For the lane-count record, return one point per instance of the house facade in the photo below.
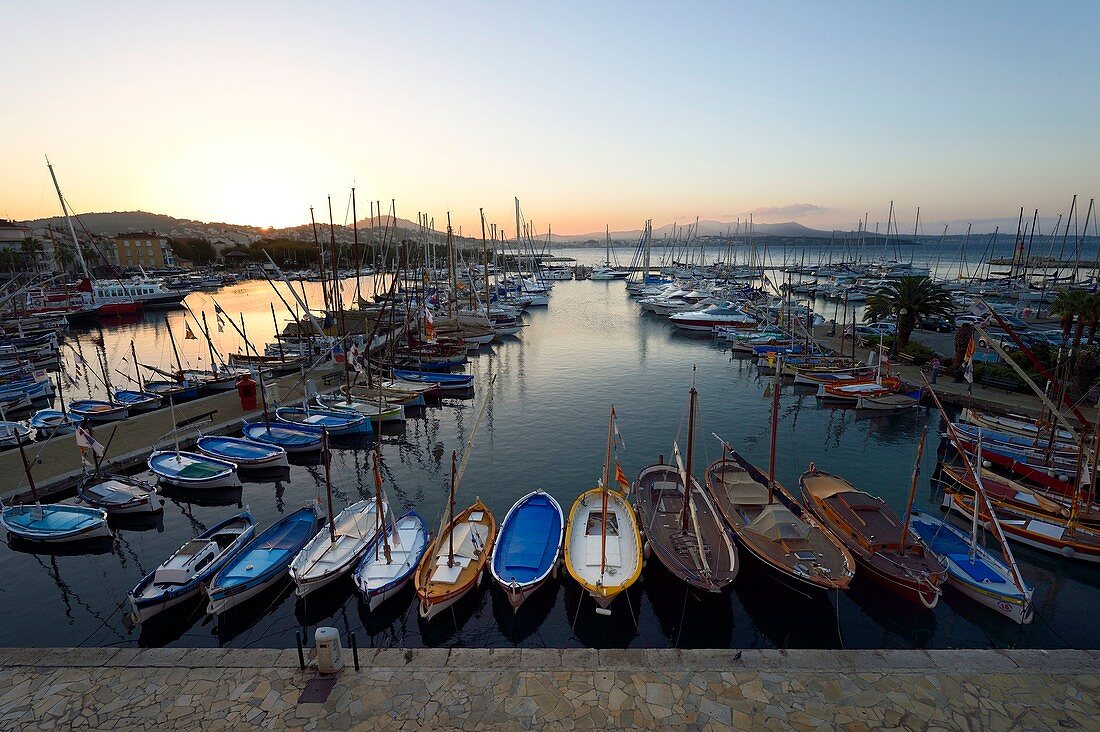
(149, 251)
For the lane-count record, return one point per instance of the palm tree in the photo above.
(1091, 313)
(1069, 306)
(909, 298)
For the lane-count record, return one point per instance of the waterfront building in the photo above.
(143, 250)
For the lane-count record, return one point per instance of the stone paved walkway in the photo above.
(216, 689)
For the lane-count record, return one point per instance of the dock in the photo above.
(56, 464)
(537, 688)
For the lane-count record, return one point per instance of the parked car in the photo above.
(936, 325)
(970, 320)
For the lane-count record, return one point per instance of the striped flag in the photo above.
(615, 426)
(620, 477)
(968, 362)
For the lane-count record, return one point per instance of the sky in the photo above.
(593, 114)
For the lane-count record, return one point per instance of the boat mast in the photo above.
(209, 343)
(26, 467)
(275, 322)
(175, 351)
(485, 249)
(451, 512)
(380, 512)
(69, 221)
(775, 429)
(326, 456)
(693, 396)
(137, 371)
(603, 492)
(356, 254)
(913, 493)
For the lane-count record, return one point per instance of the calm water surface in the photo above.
(545, 428)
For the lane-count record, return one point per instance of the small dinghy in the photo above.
(446, 382)
(263, 561)
(385, 412)
(192, 470)
(334, 552)
(182, 575)
(338, 423)
(53, 422)
(528, 546)
(245, 454)
(177, 391)
(12, 433)
(98, 411)
(119, 494)
(55, 523)
(287, 435)
(391, 558)
(138, 401)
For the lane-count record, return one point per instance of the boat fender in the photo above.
(1067, 551)
(646, 550)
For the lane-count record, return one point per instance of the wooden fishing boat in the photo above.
(972, 569)
(1039, 531)
(815, 375)
(887, 403)
(293, 438)
(278, 365)
(679, 522)
(453, 563)
(873, 532)
(528, 547)
(1064, 451)
(851, 392)
(119, 494)
(375, 412)
(97, 411)
(391, 558)
(138, 401)
(1060, 467)
(177, 391)
(263, 562)
(774, 528)
(244, 453)
(13, 433)
(333, 553)
(1011, 493)
(53, 422)
(407, 398)
(192, 470)
(54, 523)
(337, 423)
(603, 546)
(446, 382)
(1014, 424)
(181, 576)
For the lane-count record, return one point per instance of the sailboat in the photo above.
(453, 564)
(603, 546)
(139, 400)
(331, 554)
(393, 554)
(771, 524)
(191, 469)
(607, 272)
(680, 523)
(54, 422)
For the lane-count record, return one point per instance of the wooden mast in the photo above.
(137, 371)
(775, 429)
(326, 456)
(451, 512)
(693, 396)
(485, 249)
(603, 493)
(209, 343)
(175, 351)
(913, 493)
(355, 250)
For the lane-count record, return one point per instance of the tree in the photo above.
(909, 298)
(1068, 306)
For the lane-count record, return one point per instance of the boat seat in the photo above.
(742, 489)
(593, 551)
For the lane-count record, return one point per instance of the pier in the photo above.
(535, 688)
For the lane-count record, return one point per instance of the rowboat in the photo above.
(1066, 451)
(262, 562)
(851, 392)
(887, 402)
(182, 575)
(452, 565)
(54, 522)
(119, 494)
(774, 527)
(52, 422)
(177, 391)
(391, 558)
(1014, 424)
(97, 411)
(385, 412)
(407, 398)
(138, 401)
(277, 365)
(972, 569)
(245, 454)
(603, 546)
(446, 382)
(13, 433)
(338, 423)
(293, 438)
(873, 534)
(528, 546)
(193, 470)
(333, 553)
(1006, 491)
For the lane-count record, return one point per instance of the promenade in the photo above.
(216, 689)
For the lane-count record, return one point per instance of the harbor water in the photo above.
(552, 388)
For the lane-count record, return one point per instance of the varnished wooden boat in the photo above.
(453, 564)
(1008, 492)
(872, 532)
(777, 531)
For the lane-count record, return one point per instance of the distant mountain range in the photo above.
(707, 228)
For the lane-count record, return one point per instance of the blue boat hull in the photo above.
(243, 452)
(291, 437)
(528, 546)
(337, 423)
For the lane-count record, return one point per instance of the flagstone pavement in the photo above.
(215, 689)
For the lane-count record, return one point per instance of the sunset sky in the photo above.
(591, 113)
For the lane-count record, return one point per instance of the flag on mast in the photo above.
(188, 334)
(88, 444)
(621, 478)
(615, 426)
